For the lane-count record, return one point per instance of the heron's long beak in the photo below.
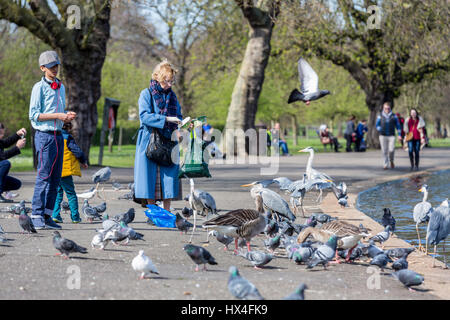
(328, 180)
(303, 150)
(247, 185)
(420, 190)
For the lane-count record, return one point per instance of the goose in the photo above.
(422, 212)
(240, 223)
(309, 84)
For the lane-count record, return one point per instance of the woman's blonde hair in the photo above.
(164, 71)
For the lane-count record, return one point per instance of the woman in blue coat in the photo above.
(154, 182)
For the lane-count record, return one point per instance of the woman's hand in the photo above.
(173, 120)
(22, 132)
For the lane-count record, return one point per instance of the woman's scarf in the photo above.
(167, 107)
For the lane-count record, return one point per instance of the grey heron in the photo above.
(271, 200)
(240, 223)
(422, 212)
(439, 228)
(200, 201)
(309, 89)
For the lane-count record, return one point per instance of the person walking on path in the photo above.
(154, 182)
(73, 157)
(47, 115)
(8, 183)
(414, 136)
(386, 124)
(350, 134)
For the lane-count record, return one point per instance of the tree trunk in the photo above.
(437, 127)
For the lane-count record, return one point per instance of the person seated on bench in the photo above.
(8, 183)
(326, 137)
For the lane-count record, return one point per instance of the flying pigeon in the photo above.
(241, 288)
(126, 217)
(298, 294)
(199, 255)
(257, 258)
(182, 224)
(26, 223)
(224, 239)
(66, 246)
(388, 219)
(143, 264)
(324, 253)
(409, 278)
(309, 90)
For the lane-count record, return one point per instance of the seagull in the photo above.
(309, 89)
(422, 212)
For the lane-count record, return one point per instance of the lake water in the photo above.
(401, 196)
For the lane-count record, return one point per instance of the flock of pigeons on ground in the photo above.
(318, 239)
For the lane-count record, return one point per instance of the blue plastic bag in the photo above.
(160, 217)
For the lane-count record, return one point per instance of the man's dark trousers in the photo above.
(48, 172)
(7, 183)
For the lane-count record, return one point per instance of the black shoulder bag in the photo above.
(159, 148)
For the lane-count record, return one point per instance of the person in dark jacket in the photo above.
(8, 183)
(386, 124)
(350, 134)
(360, 144)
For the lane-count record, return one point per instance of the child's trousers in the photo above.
(66, 185)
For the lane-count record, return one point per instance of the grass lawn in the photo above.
(125, 157)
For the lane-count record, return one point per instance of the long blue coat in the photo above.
(144, 169)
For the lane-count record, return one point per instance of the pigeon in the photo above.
(273, 243)
(388, 219)
(99, 240)
(408, 277)
(16, 208)
(224, 239)
(309, 90)
(401, 263)
(271, 228)
(382, 236)
(116, 186)
(380, 260)
(89, 212)
(302, 254)
(199, 255)
(182, 224)
(108, 224)
(257, 258)
(399, 252)
(65, 206)
(127, 196)
(88, 194)
(356, 253)
(100, 208)
(298, 294)
(131, 185)
(116, 234)
(287, 228)
(130, 232)
(324, 253)
(187, 212)
(322, 217)
(126, 217)
(143, 264)
(26, 223)
(102, 175)
(371, 250)
(66, 246)
(286, 241)
(240, 287)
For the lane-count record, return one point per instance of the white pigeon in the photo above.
(99, 241)
(88, 194)
(142, 263)
(309, 89)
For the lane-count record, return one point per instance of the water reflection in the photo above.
(401, 196)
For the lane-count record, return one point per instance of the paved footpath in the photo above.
(30, 270)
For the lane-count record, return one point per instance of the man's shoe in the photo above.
(58, 220)
(3, 200)
(38, 222)
(392, 165)
(50, 224)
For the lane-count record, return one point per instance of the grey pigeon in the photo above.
(287, 228)
(222, 238)
(291, 248)
(273, 243)
(388, 219)
(116, 186)
(108, 224)
(65, 206)
(322, 217)
(241, 288)
(199, 255)
(271, 228)
(257, 258)
(26, 223)
(382, 236)
(408, 277)
(399, 252)
(126, 196)
(309, 89)
(126, 217)
(89, 212)
(356, 253)
(130, 232)
(131, 185)
(286, 241)
(302, 254)
(187, 212)
(380, 260)
(100, 208)
(102, 175)
(182, 224)
(116, 234)
(298, 294)
(371, 250)
(324, 253)
(66, 246)
(401, 263)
